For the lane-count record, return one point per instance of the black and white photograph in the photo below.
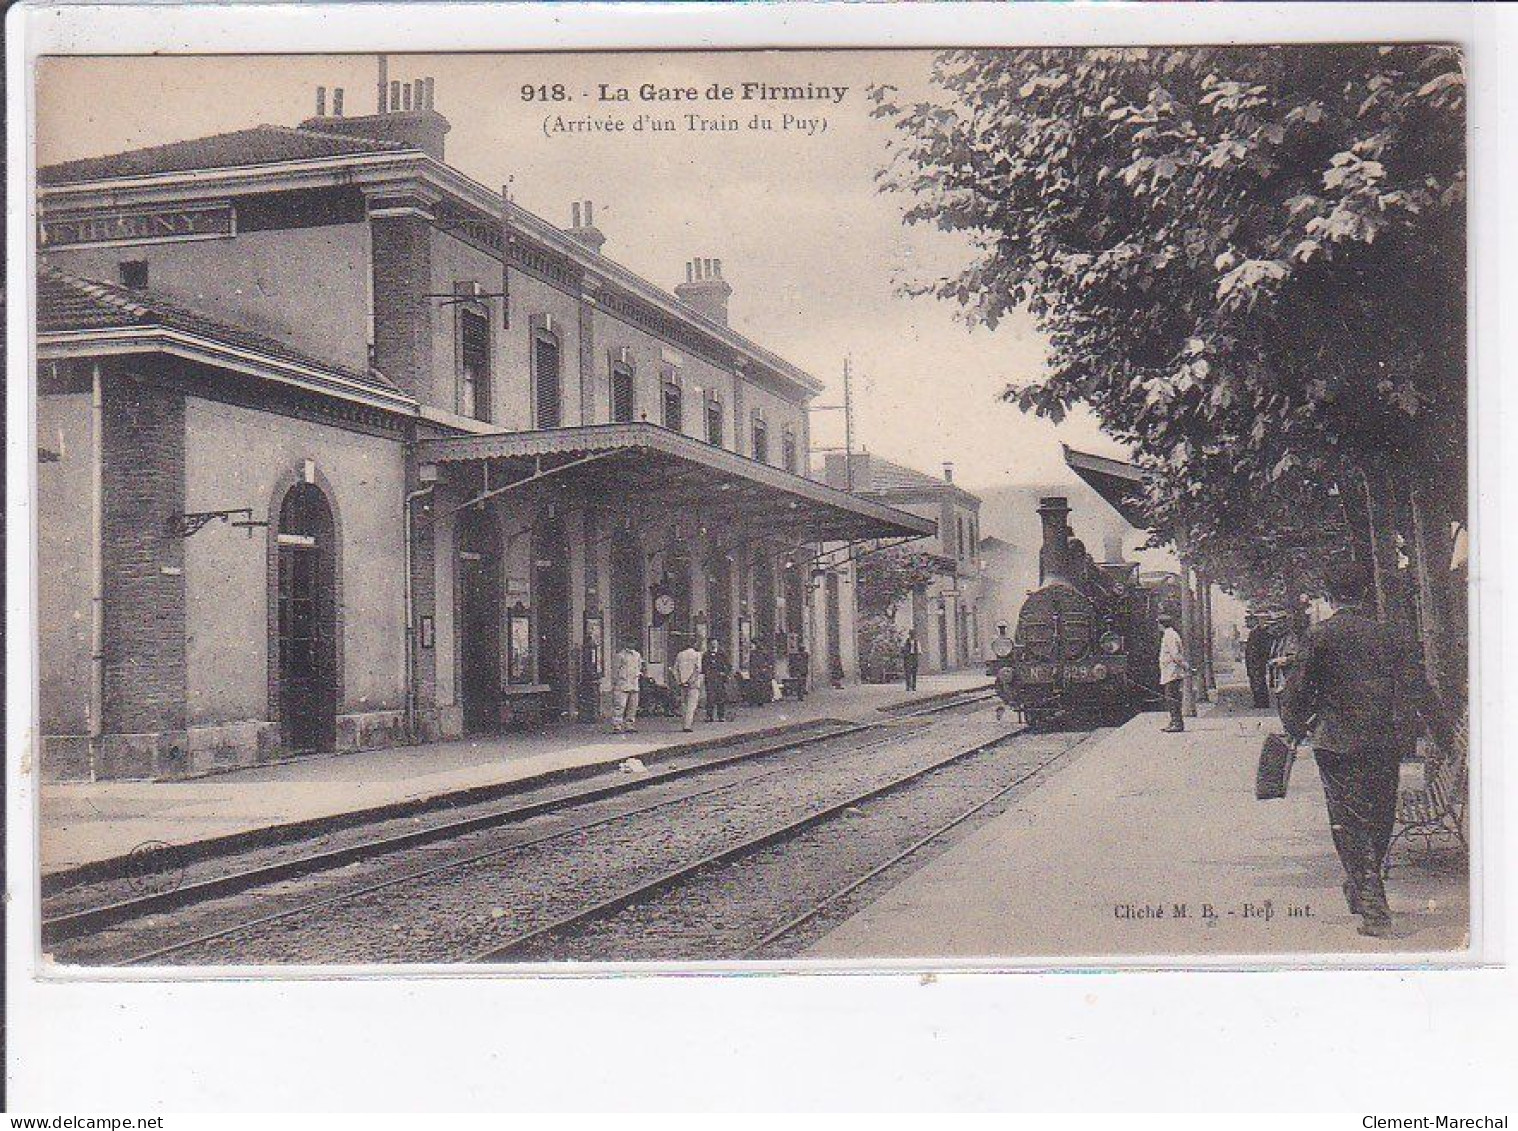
(762, 505)
(566, 518)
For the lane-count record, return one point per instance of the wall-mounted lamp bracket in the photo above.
(193, 522)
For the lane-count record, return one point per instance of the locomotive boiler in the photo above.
(1087, 639)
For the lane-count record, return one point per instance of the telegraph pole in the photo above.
(847, 408)
(848, 422)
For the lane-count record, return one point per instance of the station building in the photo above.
(947, 614)
(339, 448)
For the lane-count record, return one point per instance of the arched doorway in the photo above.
(479, 618)
(306, 621)
(551, 606)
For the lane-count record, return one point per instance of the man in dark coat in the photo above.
(1257, 658)
(1355, 689)
(801, 670)
(911, 653)
(715, 672)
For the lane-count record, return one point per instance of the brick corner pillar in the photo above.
(143, 678)
(427, 723)
(589, 410)
(740, 433)
(400, 230)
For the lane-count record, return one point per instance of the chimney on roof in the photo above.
(1112, 546)
(847, 472)
(406, 114)
(948, 472)
(582, 226)
(705, 290)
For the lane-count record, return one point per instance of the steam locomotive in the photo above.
(1087, 639)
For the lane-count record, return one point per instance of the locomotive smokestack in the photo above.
(1054, 554)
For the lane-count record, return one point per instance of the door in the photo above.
(834, 613)
(795, 603)
(764, 601)
(719, 597)
(550, 599)
(479, 614)
(307, 622)
(627, 613)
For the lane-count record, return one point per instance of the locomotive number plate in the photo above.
(1036, 673)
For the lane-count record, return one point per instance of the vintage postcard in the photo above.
(1002, 506)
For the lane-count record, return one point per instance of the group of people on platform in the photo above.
(702, 672)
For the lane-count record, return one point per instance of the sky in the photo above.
(814, 252)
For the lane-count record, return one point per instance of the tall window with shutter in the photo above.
(474, 364)
(761, 450)
(713, 420)
(546, 379)
(674, 407)
(622, 400)
(788, 453)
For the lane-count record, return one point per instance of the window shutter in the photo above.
(546, 371)
(621, 394)
(673, 409)
(474, 359)
(714, 421)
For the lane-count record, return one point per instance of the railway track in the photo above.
(714, 907)
(76, 922)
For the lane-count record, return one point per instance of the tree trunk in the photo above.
(1443, 648)
(1392, 599)
(1209, 673)
(1188, 636)
(1197, 646)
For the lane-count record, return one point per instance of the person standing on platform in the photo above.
(688, 684)
(911, 653)
(801, 671)
(1173, 668)
(626, 674)
(715, 671)
(1357, 691)
(1257, 658)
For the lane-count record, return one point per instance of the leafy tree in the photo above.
(1249, 262)
(883, 580)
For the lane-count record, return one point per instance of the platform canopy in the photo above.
(642, 467)
(1117, 481)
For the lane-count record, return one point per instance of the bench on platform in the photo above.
(1436, 810)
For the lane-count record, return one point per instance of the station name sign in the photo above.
(157, 225)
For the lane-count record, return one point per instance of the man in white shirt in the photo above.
(626, 674)
(1173, 668)
(688, 683)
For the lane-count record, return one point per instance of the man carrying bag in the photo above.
(1354, 679)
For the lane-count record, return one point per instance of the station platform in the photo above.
(86, 823)
(1096, 862)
